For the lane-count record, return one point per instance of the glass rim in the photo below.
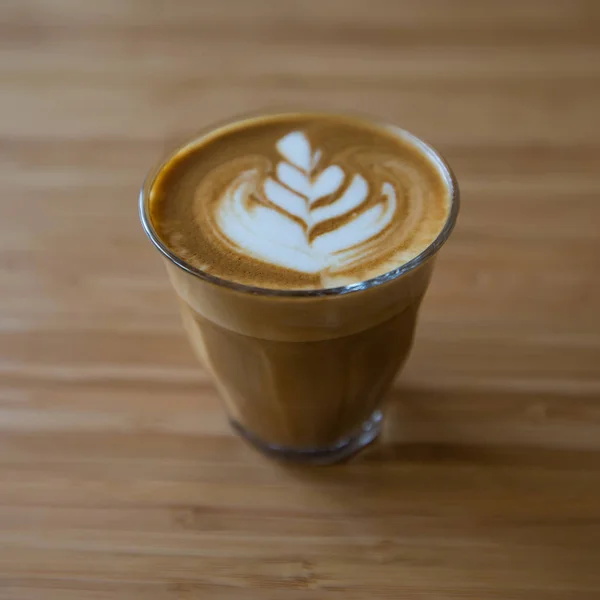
(439, 161)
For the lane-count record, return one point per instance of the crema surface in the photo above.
(300, 201)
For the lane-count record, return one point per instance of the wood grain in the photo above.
(119, 478)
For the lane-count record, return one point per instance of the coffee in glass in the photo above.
(300, 246)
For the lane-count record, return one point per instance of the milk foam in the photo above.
(275, 219)
(301, 201)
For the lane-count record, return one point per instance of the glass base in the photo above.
(342, 450)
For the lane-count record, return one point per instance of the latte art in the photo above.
(307, 215)
(300, 201)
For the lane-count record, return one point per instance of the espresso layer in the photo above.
(300, 201)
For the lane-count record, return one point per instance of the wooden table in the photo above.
(119, 477)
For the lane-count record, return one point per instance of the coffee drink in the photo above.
(300, 202)
(300, 246)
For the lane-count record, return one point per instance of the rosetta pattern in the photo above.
(305, 215)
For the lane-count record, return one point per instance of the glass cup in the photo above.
(303, 373)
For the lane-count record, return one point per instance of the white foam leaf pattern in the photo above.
(295, 147)
(273, 220)
(327, 183)
(353, 197)
(360, 229)
(299, 178)
(290, 202)
(262, 232)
